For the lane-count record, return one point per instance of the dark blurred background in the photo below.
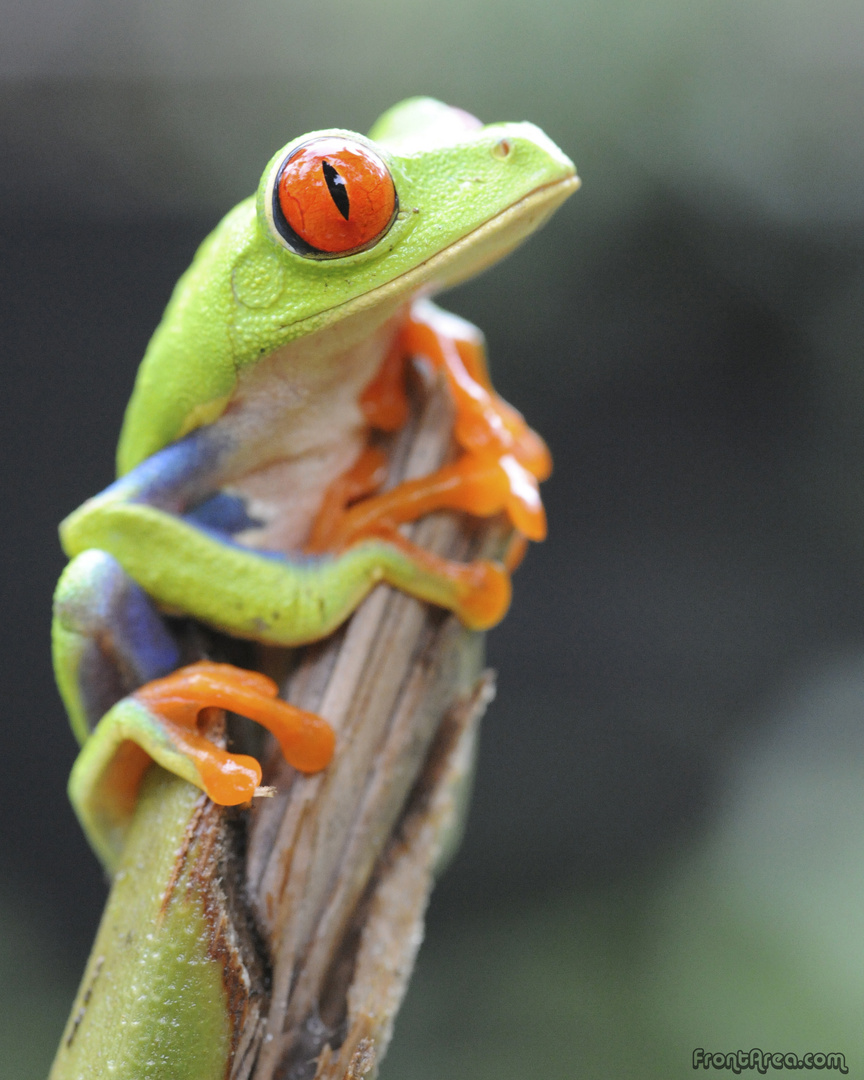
(666, 848)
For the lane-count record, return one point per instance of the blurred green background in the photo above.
(666, 849)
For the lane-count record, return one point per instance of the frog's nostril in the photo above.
(502, 149)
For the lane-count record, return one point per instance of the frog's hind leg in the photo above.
(108, 638)
(168, 721)
(116, 664)
(477, 592)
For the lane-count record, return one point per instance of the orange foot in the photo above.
(478, 484)
(503, 458)
(181, 704)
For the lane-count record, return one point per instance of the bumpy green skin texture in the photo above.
(153, 1003)
(245, 294)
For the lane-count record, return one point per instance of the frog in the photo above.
(251, 489)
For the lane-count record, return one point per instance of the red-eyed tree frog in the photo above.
(250, 498)
(247, 495)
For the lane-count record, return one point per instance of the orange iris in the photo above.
(337, 196)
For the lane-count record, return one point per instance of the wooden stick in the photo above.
(340, 865)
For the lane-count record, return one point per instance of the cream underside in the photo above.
(297, 417)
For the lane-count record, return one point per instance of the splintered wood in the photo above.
(340, 865)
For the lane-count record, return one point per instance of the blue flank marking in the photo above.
(173, 477)
(222, 513)
(294, 559)
(140, 635)
(185, 473)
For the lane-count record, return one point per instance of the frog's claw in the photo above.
(167, 721)
(364, 477)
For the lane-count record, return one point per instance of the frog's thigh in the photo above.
(104, 782)
(477, 592)
(108, 638)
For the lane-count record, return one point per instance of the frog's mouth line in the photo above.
(468, 255)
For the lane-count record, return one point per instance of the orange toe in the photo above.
(182, 700)
(487, 595)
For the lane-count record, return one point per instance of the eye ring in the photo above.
(333, 197)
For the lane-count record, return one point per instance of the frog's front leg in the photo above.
(498, 471)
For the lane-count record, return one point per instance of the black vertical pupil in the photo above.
(337, 189)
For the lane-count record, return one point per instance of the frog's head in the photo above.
(428, 199)
(342, 224)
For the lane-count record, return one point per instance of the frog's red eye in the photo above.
(333, 197)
